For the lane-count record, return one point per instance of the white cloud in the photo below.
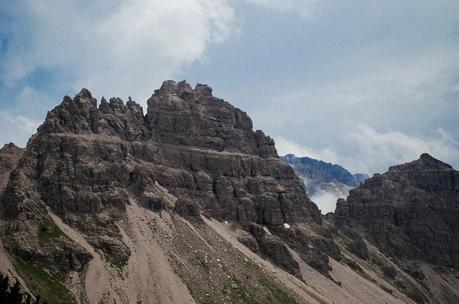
(326, 200)
(394, 147)
(16, 128)
(285, 146)
(114, 47)
(19, 121)
(374, 117)
(302, 7)
(375, 151)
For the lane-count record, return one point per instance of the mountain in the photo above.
(186, 203)
(324, 182)
(109, 192)
(411, 214)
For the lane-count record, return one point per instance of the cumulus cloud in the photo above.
(113, 47)
(302, 7)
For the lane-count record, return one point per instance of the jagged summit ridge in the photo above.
(425, 162)
(176, 114)
(190, 154)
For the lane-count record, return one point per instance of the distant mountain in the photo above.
(324, 182)
(360, 178)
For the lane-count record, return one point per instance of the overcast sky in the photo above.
(365, 84)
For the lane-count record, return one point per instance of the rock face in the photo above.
(9, 156)
(191, 152)
(185, 203)
(410, 212)
(212, 155)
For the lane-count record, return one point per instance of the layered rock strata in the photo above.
(411, 211)
(191, 152)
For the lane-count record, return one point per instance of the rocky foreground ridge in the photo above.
(187, 204)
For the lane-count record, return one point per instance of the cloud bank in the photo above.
(375, 151)
(111, 47)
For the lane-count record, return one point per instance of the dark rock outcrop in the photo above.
(410, 212)
(272, 247)
(191, 152)
(9, 156)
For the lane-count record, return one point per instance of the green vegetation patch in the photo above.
(411, 291)
(278, 293)
(389, 271)
(40, 282)
(202, 262)
(119, 265)
(237, 292)
(48, 231)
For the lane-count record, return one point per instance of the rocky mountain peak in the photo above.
(192, 154)
(84, 94)
(9, 147)
(410, 211)
(429, 161)
(425, 162)
(178, 114)
(182, 88)
(203, 89)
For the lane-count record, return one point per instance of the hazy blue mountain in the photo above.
(324, 182)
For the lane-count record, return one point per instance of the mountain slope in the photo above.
(185, 204)
(192, 153)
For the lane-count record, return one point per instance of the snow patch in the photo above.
(266, 230)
